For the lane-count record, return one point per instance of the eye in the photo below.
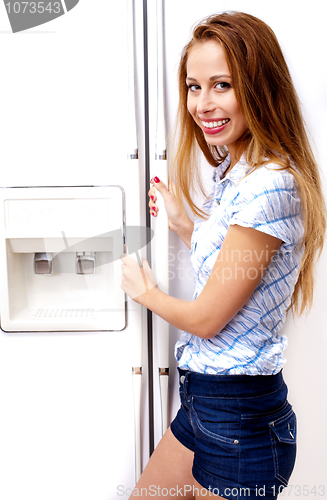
(193, 87)
(222, 85)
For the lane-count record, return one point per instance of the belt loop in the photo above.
(186, 386)
(183, 379)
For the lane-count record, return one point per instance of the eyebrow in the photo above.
(215, 77)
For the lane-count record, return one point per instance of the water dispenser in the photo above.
(59, 259)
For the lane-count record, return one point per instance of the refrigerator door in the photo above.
(67, 410)
(160, 243)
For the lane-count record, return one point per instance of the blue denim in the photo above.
(242, 431)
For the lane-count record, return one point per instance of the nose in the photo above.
(205, 103)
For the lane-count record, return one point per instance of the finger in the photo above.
(127, 259)
(152, 204)
(145, 268)
(152, 193)
(145, 264)
(154, 213)
(160, 186)
(145, 281)
(152, 201)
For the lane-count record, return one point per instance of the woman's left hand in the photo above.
(136, 279)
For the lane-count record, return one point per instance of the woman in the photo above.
(253, 248)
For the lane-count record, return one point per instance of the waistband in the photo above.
(229, 386)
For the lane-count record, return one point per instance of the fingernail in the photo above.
(152, 214)
(154, 208)
(152, 197)
(156, 179)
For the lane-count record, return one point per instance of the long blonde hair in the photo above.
(275, 126)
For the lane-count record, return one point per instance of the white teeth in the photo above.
(215, 124)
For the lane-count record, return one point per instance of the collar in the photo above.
(240, 170)
(221, 169)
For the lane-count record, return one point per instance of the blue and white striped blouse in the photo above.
(267, 200)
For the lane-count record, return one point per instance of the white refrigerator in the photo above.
(86, 119)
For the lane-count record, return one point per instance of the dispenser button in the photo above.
(85, 263)
(43, 263)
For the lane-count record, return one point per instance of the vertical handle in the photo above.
(162, 231)
(132, 153)
(135, 324)
(134, 218)
(161, 145)
(137, 392)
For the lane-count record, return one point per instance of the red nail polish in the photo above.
(152, 214)
(152, 197)
(154, 208)
(156, 179)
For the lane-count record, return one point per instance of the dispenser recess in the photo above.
(59, 259)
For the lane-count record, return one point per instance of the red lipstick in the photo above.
(214, 130)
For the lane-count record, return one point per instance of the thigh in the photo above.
(168, 472)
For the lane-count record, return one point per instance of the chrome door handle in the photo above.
(161, 144)
(132, 151)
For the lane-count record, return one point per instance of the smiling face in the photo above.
(211, 98)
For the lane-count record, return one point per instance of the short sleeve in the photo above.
(270, 202)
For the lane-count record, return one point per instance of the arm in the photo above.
(177, 218)
(243, 258)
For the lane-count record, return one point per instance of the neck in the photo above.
(235, 151)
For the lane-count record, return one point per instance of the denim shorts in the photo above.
(242, 431)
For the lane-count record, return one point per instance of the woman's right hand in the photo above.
(177, 218)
